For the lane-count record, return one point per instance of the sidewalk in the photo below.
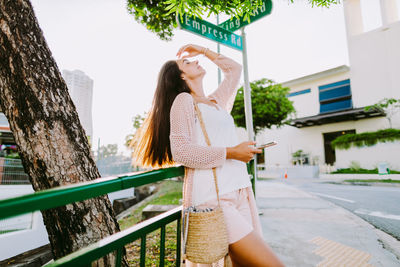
(305, 230)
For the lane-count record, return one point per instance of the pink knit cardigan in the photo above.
(184, 147)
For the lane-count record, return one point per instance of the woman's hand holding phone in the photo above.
(266, 145)
(243, 152)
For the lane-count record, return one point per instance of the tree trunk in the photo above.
(45, 124)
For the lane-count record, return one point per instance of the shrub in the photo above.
(366, 139)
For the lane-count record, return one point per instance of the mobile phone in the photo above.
(266, 145)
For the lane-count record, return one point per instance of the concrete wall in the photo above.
(370, 157)
(375, 64)
(304, 171)
(309, 139)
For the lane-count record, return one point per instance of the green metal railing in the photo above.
(116, 242)
(60, 196)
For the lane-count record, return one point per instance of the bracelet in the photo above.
(205, 51)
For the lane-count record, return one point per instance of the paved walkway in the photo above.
(305, 230)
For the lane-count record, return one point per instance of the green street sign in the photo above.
(235, 24)
(210, 31)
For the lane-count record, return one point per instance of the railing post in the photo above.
(118, 259)
(162, 246)
(143, 251)
(178, 242)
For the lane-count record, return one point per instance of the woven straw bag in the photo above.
(205, 238)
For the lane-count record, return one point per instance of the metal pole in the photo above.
(247, 104)
(218, 51)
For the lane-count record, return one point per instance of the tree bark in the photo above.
(45, 124)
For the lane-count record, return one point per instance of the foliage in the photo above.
(160, 16)
(169, 194)
(298, 153)
(299, 157)
(137, 122)
(321, 3)
(114, 165)
(389, 105)
(355, 165)
(107, 151)
(270, 105)
(153, 248)
(13, 156)
(109, 162)
(366, 139)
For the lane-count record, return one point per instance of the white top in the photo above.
(232, 175)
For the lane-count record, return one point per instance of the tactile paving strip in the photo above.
(336, 254)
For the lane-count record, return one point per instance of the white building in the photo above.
(331, 102)
(80, 87)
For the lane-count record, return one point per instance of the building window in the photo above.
(299, 92)
(335, 96)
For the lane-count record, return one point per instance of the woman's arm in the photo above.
(226, 91)
(192, 155)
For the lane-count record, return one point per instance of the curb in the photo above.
(389, 242)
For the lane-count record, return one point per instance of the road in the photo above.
(376, 204)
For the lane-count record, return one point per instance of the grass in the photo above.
(169, 193)
(265, 179)
(372, 181)
(361, 171)
(153, 248)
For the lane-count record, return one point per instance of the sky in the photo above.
(123, 58)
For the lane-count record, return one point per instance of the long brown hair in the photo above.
(151, 146)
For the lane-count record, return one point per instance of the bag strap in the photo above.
(203, 128)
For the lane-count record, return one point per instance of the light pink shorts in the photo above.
(235, 206)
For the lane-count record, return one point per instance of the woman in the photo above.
(172, 133)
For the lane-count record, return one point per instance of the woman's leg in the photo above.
(252, 251)
(234, 264)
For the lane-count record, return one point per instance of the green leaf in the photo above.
(171, 6)
(270, 105)
(160, 16)
(366, 139)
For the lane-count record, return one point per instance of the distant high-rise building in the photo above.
(80, 87)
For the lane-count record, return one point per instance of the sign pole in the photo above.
(247, 89)
(247, 104)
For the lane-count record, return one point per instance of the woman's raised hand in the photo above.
(242, 151)
(191, 50)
